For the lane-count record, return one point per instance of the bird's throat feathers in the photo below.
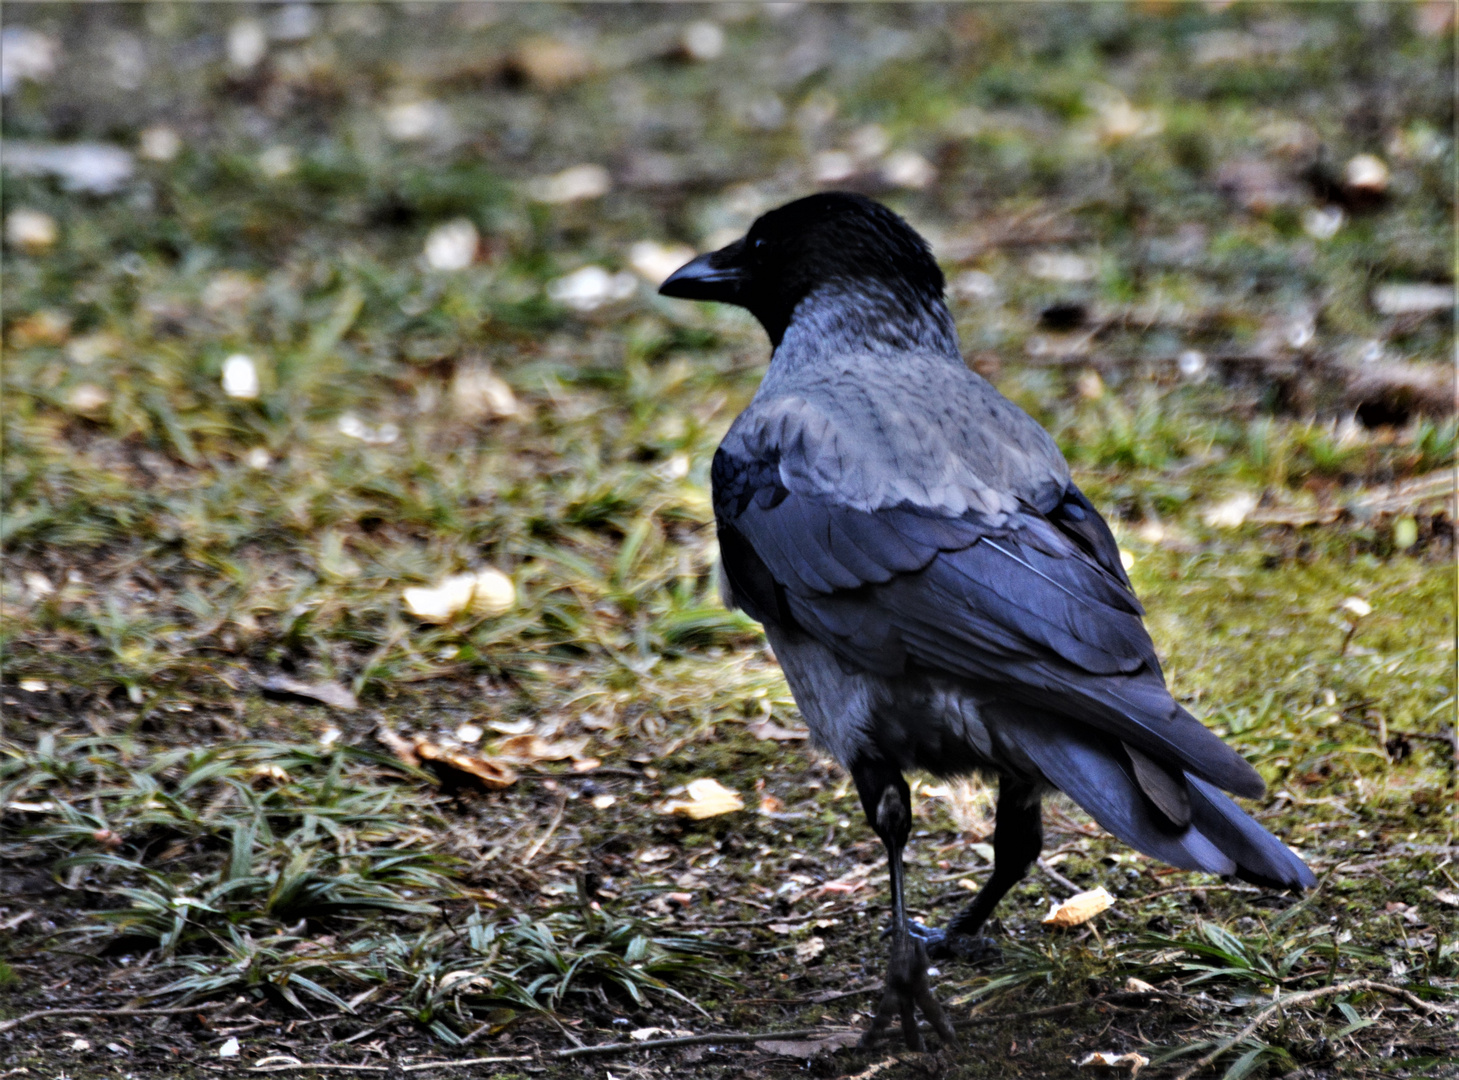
(841, 316)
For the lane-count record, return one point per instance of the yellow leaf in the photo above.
(707, 798)
(1079, 908)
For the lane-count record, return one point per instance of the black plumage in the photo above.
(940, 594)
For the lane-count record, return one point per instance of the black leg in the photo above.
(888, 806)
(1018, 837)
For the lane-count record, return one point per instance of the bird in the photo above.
(940, 595)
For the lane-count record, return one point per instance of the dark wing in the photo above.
(1033, 603)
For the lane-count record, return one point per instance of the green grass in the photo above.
(177, 835)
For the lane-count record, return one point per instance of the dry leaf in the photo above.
(403, 749)
(1444, 896)
(707, 798)
(768, 729)
(809, 949)
(1232, 512)
(1111, 1060)
(326, 693)
(528, 749)
(1079, 908)
(1138, 986)
(550, 64)
(809, 1048)
(487, 592)
(451, 765)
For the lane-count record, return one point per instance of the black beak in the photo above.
(718, 275)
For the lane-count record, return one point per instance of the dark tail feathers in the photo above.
(1097, 773)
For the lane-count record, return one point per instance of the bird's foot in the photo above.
(906, 991)
(942, 944)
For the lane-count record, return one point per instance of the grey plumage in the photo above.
(939, 593)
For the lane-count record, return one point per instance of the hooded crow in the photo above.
(939, 594)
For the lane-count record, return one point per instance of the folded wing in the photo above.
(1033, 602)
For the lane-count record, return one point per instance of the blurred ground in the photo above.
(309, 306)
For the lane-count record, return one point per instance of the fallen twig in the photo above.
(1195, 888)
(1312, 995)
(282, 1063)
(41, 1014)
(604, 1049)
(556, 821)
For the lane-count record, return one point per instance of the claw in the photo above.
(908, 990)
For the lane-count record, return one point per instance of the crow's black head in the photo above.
(835, 238)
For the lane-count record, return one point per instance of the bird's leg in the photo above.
(1018, 836)
(888, 805)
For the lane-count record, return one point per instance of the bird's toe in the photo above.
(907, 991)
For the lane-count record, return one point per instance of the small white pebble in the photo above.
(908, 169)
(832, 167)
(602, 802)
(32, 231)
(277, 162)
(34, 686)
(26, 54)
(590, 288)
(655, 262)
(240, 378)
(576, 184)
(468, 734)
(352, 426)
(415, 121)
(158, 143)
(1357, 606)
(1322, 222)
(1192, 363)
(702, 40)
(1061, 266)
(1366, 172)
(90, 348)
(452, 245)
(247, 45)
(1301, 332)
(38, 583)
(88, 398)
(975, 285)
(869, 141)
